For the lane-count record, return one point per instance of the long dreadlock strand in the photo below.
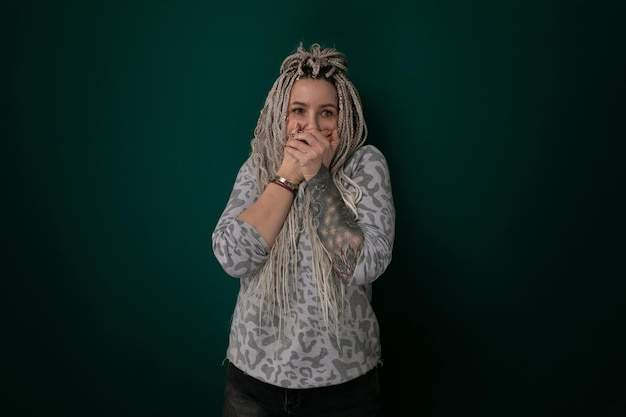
(274, 283)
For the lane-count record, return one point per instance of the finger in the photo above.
(334, 139)
(295, 155)
(312, 136)
(303, 137)
(298, 144)
(297, 129)
(301, 145)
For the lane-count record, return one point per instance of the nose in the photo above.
(312, 121)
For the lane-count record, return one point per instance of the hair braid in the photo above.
(274, 282)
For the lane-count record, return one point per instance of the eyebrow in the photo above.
(299, 103)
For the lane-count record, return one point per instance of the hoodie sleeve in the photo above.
(239, 247)
(376, 213)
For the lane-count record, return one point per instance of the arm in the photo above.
(267, 215)
(376, 213)
(238, 247)
(269, 212)
(337, 229)
(250, 223)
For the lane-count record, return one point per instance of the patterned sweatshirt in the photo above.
(306, 355)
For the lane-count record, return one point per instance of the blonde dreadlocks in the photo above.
(274, 281)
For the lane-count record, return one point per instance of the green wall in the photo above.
(124, 124)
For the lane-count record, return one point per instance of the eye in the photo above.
(327, 113)
(297, 110)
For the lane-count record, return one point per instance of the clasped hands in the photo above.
(305, 152)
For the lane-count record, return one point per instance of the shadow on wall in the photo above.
(427, 352)
(410, 360)
(432, 363)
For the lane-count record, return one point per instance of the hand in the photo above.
(312, 148)
(290, 168)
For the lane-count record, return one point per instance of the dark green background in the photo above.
(124, 124)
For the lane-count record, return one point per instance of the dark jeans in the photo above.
(248, 397)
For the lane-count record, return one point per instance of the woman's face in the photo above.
(313, 104)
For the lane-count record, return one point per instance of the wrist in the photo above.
(283, 182)
(292, 179)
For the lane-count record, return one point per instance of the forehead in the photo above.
(308, 89)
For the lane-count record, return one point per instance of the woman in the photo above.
(308, 228)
